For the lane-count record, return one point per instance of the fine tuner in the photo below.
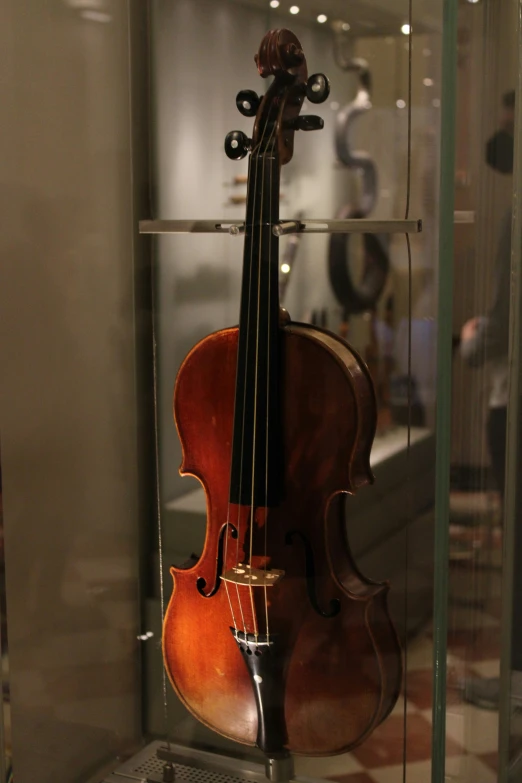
(316, 89)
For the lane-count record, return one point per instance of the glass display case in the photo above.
(359, 165)
(131, 229)
(483, 547)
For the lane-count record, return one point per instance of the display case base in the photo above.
(190, 766)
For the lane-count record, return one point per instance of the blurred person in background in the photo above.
(486, 339)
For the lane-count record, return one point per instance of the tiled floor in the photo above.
(473, 648)
(471, 733)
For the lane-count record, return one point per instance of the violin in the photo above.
(274, 638)
(359, 296)
(356, 297)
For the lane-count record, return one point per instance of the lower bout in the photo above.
(206, 671)
(331, 703)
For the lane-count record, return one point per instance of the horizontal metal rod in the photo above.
(360, 226)
(307, 226)
(188, 226)
(462, 216)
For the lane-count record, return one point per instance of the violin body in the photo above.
(332, 671)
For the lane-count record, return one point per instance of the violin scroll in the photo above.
(280, 53)
(277, 113)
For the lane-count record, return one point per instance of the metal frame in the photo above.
(304, 226)
(191, 765)
(444, 387)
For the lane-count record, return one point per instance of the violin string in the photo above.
(253, 477)
(238, 524)
(239, 507)
(253, 157)
(254, 438)
(252, 510)
(409, 394)
(269, 274)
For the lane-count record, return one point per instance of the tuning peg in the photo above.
(317, 88)
(247, 102)
(306, 122)
(237, 144)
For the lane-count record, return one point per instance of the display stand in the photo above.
(196, 766)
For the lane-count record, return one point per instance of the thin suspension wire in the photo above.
(155, 391)
(158, 492)
(408, 448)
(408, 163)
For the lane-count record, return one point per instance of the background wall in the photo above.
(202, 56)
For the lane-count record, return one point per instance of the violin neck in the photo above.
(256, 452)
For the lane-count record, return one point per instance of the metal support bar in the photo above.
(361, 226)
(290, 227)
(305, 226)
(463, 216)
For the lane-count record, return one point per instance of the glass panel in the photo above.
(202, 55)
(445, 297)
(6, 750)
(481, 524)
(72, 409)
(95, 335)
(510, 756)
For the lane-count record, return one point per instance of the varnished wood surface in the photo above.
(279, 53)
(342, 673)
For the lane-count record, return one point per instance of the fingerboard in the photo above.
(256, 445)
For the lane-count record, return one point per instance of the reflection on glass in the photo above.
(482, 373)
(357, 166)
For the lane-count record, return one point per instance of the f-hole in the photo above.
(202, 582)
(335, 604)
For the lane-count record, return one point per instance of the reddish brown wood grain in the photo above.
(342, 674)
